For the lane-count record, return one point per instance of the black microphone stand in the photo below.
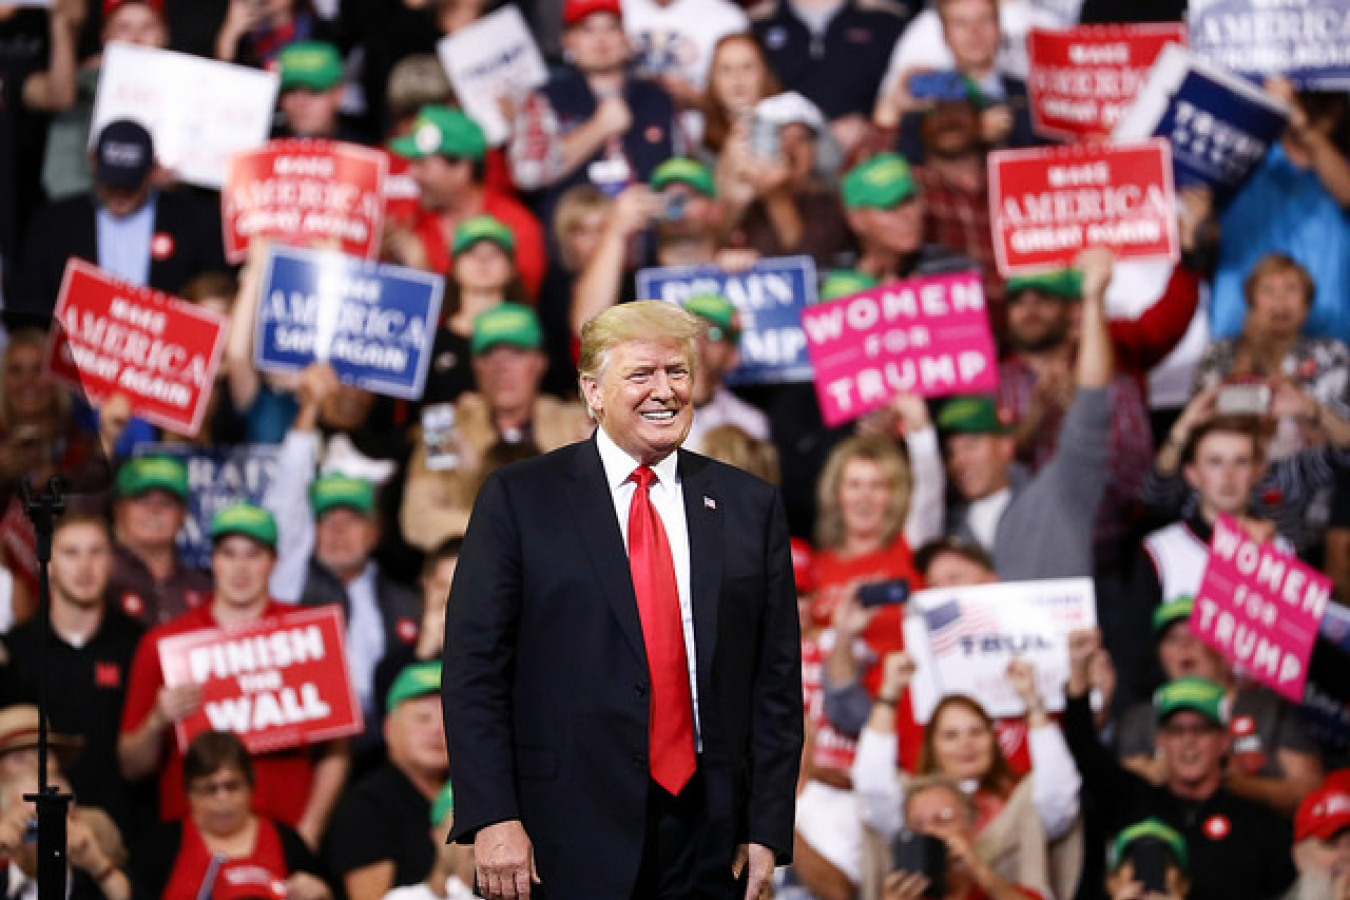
(43, 509)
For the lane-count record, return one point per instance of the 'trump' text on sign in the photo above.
(926, 336)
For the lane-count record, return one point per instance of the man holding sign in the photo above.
(296, 786)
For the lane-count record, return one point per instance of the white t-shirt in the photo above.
(679, 37)
(922, 45)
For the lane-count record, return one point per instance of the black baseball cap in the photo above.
(123, 155)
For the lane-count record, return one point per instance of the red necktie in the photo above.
(670, 722)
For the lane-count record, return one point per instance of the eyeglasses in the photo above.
(221, 786)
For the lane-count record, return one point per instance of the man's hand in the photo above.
(1096, 264)
(179, 702)
(904, 886)
(1084, 645)
(759, 878)
(897, 671)
(613, 116)
(504, 861)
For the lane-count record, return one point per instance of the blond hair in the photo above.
(641, 320)
(830, 528)
(732, 445)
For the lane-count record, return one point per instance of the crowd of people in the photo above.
(672, 133)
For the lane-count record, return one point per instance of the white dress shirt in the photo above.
(667, 496)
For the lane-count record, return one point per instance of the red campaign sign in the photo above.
(305, 193)
(279, 682)
(1048, 203)
(1082, 79)
(926, 336)
(1260, 608)
(158, 351)
(402, 196)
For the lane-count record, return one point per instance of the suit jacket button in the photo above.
(640, 689)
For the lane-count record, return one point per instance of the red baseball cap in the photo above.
(576, 10)
(1326, 811)
(803, 566)
(109, 6)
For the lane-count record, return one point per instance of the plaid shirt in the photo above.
(1129, 459)
(957, 218)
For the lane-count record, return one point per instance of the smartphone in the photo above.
(764, 139)
(1252, 399)
(438, 436)
(922, 854)
(883, 593)
(937, 86)
(30, 830)
(1150, 858)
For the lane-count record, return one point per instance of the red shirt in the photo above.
(884, 634)
(281, 779)
(531, 260)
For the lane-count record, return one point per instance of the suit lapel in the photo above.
(703, 512)
(593, 507)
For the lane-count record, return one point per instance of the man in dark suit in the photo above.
(125, 226)
(622, 693)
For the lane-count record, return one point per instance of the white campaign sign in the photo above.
(963, 638)
(492, 58)
(199, 111)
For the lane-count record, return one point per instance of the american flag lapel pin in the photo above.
(709, 503)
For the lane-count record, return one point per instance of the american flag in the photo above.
(954, 620)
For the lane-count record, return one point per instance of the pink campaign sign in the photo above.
(925, 336)
(1260, 608)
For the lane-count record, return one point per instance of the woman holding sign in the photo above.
(222, 840)
(1027, 825)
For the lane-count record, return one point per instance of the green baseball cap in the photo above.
(845, 283)
(441, 130)
(882, 182)
(1177, 610)
(246, 519)
(973, 414)
(1198, 694)
(153, 473)
(724, 320)
(341, 491)
(309, 64)
(442, 806)
(416, 680)
(1149, 829)
(1066, 284)
(510, 325)
(682, 170)
(483, 228)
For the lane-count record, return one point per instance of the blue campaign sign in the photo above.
(1307, 41)
(1220, 126)
(373, 322)
(217, 477)
(770, 297)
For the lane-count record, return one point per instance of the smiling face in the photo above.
(149, 521)
(864, 497)
(1193, 747)
(643, 398)
(1183, 655)
(963, 744)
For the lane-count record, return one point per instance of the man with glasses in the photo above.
(1230, 840)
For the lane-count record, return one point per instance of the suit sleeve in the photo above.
(776, 717)
(482, 618)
